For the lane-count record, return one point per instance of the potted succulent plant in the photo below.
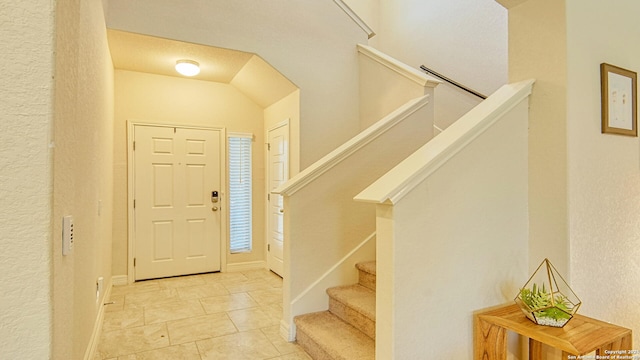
(547, 299)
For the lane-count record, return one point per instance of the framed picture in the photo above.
(618, 91)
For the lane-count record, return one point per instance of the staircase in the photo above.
(347, 330)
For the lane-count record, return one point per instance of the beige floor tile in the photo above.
(114, 303)
(267, 296)
(209, 309)
(150, 298)
(258, 274)
(228, 277)
(178, 352)
(269, 277)
(227, 303)
(116, 320)
(284, 347)
(138, 287)
(253, 318)
(180, 281)
(246, 286)
(133, 340)
(172, 311)
(294, 356)
(202, 291)
(273, 310)
(200, 328)
(249, 345)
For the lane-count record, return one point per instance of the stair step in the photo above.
(356, 305)
(367, 274)
(326, 337)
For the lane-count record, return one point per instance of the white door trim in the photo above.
(130, 192)
(285, 122)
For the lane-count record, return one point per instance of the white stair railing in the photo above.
(452, 230)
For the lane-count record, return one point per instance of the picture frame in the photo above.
(619, 100)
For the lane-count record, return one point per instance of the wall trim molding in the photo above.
(97, 326)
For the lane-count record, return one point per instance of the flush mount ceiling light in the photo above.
(187, 67)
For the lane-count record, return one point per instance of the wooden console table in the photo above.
(580, 336)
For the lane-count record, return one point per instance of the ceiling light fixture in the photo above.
(187, 67)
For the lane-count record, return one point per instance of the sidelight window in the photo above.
(240, 192)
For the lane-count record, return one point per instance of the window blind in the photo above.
(239, 153)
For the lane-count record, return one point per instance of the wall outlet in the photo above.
(67, 234)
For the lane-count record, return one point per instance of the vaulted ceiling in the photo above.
(249, 73)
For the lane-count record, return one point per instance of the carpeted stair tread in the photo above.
(357, 297)
(367, 266)
(367, 274)
(334, 338)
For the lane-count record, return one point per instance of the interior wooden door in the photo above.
(177, 224)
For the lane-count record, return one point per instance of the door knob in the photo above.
(281, 211)
(215, 208)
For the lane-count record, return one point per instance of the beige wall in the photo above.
(584, 195)
(169, 100)
(288, 108)
(461, 39)
(83, 182)
(603, 169)
(26, 116)
(537, 50)
(313, 45)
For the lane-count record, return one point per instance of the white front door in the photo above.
(278, 151)
(177, 226)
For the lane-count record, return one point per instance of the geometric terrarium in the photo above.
(547, 299)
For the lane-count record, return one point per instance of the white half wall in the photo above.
(454, 244)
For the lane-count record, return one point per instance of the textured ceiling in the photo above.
(247, 72)
(155, 55)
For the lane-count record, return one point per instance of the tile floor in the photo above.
(201, 317)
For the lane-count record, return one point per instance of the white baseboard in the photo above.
(118, 280)
(246, 266)
(97, 326)
(286, 332)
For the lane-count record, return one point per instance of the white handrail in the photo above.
(336, 156)
(400, 180)
(357, 19)
(399, 67)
